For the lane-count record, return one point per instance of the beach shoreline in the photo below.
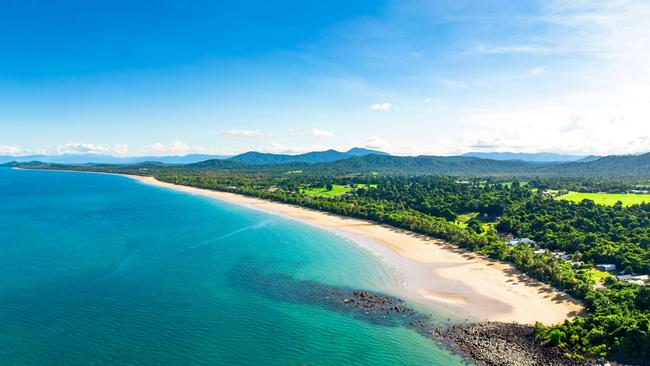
(440, 275)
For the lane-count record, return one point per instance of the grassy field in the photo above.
(608, 199)
(337, 190)
(466, 216)
(486, 222)
(596, 275)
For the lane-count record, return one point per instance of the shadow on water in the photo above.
(371, 307)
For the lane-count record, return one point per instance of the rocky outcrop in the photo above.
(488, 343)
(504, 344)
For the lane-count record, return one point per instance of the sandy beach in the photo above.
(443, 276)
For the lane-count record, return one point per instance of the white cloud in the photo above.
(121, 149)
(173, 148)
(580, 123)
(181, 148)
(316, 132)
(485, 144)
(454, 84)
(243, 133)
(81, 148)
(278, 148)
(382, 106)
(598, 102)
(68, 149)
(536, 71)
(572, 124)
(12, 150)
(521, 48)
(376, 143)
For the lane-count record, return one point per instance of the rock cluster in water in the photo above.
(374, 303)
(380, 309)
(489, 343)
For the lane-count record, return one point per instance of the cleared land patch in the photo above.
(336, 190)
(608, 199)
(486, 222)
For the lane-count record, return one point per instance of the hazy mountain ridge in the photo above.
(542, 157)
(620, 166)
(108, 159)
(258, 158)
(251, 157)
(636, 165)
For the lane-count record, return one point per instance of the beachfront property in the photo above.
(606, 267)
(520, 241)
(561, 255)
(640, 280)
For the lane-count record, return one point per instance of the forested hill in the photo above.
(620, 166)
(422, 165)
(530, 157)
(373, 164)
(257, 158)
(627, 165)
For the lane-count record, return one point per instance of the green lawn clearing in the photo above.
(336, 190)
(608, 199)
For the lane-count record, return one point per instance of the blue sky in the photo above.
(408, 76)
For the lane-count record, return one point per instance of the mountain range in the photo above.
(258, 158)
(251, 157)
(327, 156)
(108, 159)
(609, 166)
(363, 161)
(532, 157)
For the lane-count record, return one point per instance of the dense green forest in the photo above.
(480, 214)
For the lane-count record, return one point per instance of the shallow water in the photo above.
(103, 270)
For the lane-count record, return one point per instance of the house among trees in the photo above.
(520, 241)
(561, 255)
(638, 280)
(606, 267)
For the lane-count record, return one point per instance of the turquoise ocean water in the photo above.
(103, 270)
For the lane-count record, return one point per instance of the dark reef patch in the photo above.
(487, 343)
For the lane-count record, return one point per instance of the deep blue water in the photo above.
(103, 270)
